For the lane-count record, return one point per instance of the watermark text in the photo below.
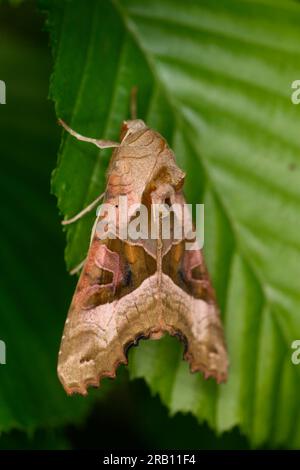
(135, 222)
(295, 97)
(2, 92)
(2, 352)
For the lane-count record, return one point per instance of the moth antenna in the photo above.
(84, 211)
(102, 144)
(133, 102)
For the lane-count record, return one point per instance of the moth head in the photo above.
(131, 127)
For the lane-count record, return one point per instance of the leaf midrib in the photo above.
(179, 119)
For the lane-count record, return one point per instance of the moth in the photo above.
(132, 289)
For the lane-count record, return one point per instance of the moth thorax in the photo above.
(131, 126)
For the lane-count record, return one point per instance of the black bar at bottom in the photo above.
(134, 459)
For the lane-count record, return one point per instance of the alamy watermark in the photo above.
(295, 97)
(295, 357)
(2, 352)
(136, 222)
(2, 92)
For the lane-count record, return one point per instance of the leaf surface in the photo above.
(215, 79)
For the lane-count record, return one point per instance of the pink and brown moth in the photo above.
(131, 289)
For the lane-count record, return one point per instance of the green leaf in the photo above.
(215, 79)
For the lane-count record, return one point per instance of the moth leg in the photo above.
(77, 268)
(84, 211)
(102, 144)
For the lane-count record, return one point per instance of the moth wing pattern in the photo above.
(122, 295)
(195, 313)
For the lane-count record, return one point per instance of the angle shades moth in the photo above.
(132, 289)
